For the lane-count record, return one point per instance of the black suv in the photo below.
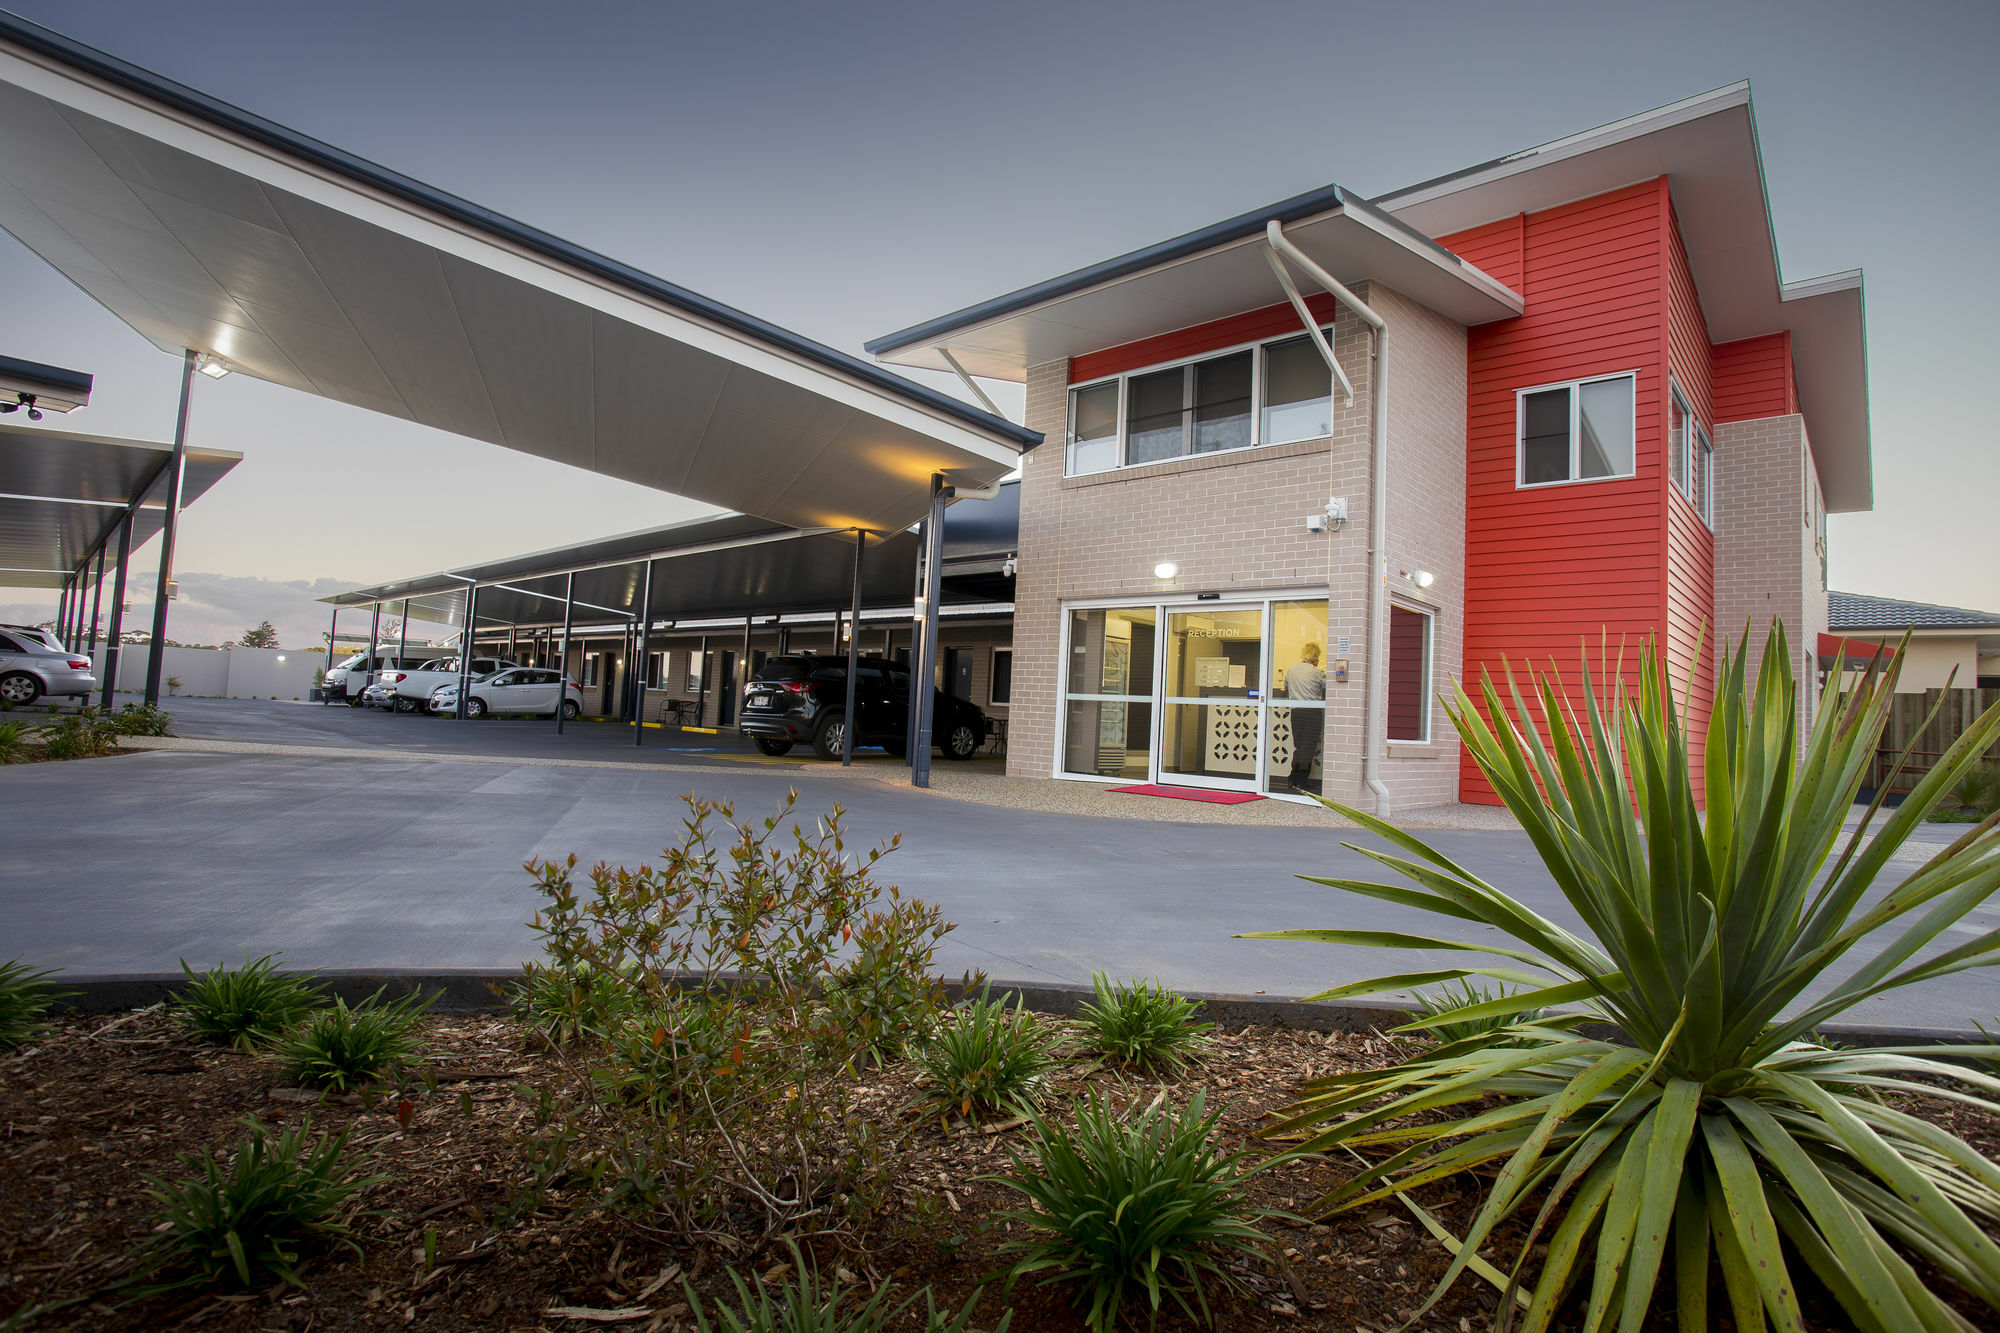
(803, 697)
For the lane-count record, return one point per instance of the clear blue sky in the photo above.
(850, 169)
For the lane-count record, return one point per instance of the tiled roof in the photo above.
(1852, 611)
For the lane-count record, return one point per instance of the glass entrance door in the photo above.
(1212, 684)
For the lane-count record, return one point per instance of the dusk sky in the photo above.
(846, 170)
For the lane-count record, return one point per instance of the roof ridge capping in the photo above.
(132, 79)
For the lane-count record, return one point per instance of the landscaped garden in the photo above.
(733, 1095)
(84, 734)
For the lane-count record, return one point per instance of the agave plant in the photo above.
(1717, 1129)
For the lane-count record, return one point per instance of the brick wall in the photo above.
(1235, 523)
(1426, 523)
(1767, 563)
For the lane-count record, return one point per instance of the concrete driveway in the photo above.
(127, 864)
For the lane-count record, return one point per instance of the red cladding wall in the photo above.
(1551, 572)
(1689, 583)
(1753, 378)
(1270, 322)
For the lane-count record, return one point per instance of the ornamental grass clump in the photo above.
(802, 1301)
(1142, 1026)
(1136, 1207)
(251, 1220)
(1715, 1133)
(341, 1049)
(243, 1007)
(25, 1000)
(987, 1059)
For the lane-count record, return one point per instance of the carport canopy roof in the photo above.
(62, 495)
(205, 227)
(710, 568)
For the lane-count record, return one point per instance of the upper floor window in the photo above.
(1271, 393)
(1580, 431)
(1680, 425)
(1703, 455)
(1690, 458)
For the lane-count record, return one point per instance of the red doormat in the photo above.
(1191, 794)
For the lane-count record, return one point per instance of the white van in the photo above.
(345, 682)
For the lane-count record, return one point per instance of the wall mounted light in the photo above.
(1166, 569)
(1422, 578)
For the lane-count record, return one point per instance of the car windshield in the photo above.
(350, 663)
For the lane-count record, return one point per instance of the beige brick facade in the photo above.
(1235, 524)
(1768, 561)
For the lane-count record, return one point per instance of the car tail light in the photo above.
(77, 664)
(798, 686)
(393, 677)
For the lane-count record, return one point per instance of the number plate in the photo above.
(760, 701)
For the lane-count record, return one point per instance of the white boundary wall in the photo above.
(220, 673)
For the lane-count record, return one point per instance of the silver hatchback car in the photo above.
(31, 665)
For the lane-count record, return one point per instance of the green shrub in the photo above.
(84, 734)
(1141, 1025)
(25, 999)
(986, 1059)
(661, 1055)
(1131, 1207)
(732, 1104)
(14, 741)
(342, 1049)
(1440, 1008)
(244, 1007)
(570, 1006)
(136, 719)
(251, 1221)
(1714, 1127)
(886, 989)
(801, 1301)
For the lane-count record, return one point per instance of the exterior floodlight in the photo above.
(1423, 578)
(1166, 569)
(212, 366)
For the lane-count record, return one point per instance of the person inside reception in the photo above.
(1306, 680)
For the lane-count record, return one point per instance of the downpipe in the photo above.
(1372, 720)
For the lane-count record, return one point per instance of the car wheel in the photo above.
(571, 710)
(960, 741)
(771, 745)
(475, 708)
(829, 736)
(354, 701)
(20, 688)
(405, 705)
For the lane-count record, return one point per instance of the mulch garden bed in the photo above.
(87, 1113)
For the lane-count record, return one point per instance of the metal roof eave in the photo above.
(222, 115)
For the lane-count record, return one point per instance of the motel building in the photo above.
(1574, 399)
(1279, 479)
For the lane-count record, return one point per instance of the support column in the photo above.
(170, 530)
(562, 657)
(111, 643)
(62, 615)
(332, 638)
(374, 651)
(701, 686)
(96, 601)
(853, 653)
(639, 658)
(923, 674)
(465, 657)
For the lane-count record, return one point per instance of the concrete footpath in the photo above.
(125, 865)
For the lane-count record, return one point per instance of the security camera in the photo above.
(1008, 567)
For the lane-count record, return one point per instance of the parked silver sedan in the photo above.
(31, 667)
(519, 690)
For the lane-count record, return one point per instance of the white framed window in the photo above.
(1274, 392)
(694, 670)
(1579, 431)
(593, 668)
(1703, 456)
(1680, 436)
(656, 670)
(1000, 687)
(1409, 693)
